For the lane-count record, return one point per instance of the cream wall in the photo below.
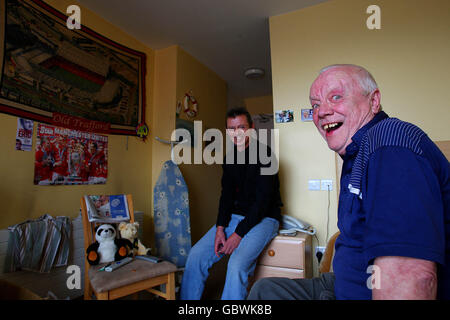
(203, 180)
(129, 163)
(133, 165)
(177, 72)
(408, 57)
(163, 115)
(258, 105)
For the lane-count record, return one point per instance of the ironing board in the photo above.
(171, 215)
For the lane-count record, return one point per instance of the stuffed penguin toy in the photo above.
(107, 248)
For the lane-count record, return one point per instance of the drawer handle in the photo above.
(271, 253)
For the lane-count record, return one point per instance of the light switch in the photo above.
(314, 185)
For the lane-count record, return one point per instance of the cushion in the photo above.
(135, 271)
(12, 291)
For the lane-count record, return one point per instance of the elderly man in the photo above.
(394, 205)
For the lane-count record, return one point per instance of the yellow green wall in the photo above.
(133, 165)
(408, 56)
(177, 72)
(129, 170)
(257, 105)
(163, 115)
(203, 180)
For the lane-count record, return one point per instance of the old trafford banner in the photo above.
(48, 68)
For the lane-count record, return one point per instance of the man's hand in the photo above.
(219, 241)
(231, 244)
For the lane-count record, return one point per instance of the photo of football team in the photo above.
(65, 156)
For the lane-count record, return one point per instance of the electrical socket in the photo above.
(320, 249)
(326, 185)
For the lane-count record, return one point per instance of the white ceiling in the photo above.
(228, 36)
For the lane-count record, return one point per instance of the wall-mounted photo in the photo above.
(284, 116)
(307, 114)
(69, 157)
(24, 134)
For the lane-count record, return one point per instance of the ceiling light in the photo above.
(254, 73)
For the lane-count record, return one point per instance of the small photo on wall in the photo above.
(307, 114)
(24, 134)
(283, 116)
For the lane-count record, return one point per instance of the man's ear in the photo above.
(375, 99)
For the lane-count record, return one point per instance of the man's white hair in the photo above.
(364, 78)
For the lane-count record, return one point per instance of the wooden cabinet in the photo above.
(286, 256)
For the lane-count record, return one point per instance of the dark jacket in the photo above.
(248, 193)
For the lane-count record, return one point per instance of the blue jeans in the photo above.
(241, 264)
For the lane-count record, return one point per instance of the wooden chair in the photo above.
(325, 264)
(133, 277)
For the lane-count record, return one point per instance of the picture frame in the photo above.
(47, 68)
(284, 116)
(307, 114)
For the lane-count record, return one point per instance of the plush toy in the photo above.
(129, 231)
(107, 248)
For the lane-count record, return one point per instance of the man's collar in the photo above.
(358, 136)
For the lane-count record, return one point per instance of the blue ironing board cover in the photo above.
(171, 215)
